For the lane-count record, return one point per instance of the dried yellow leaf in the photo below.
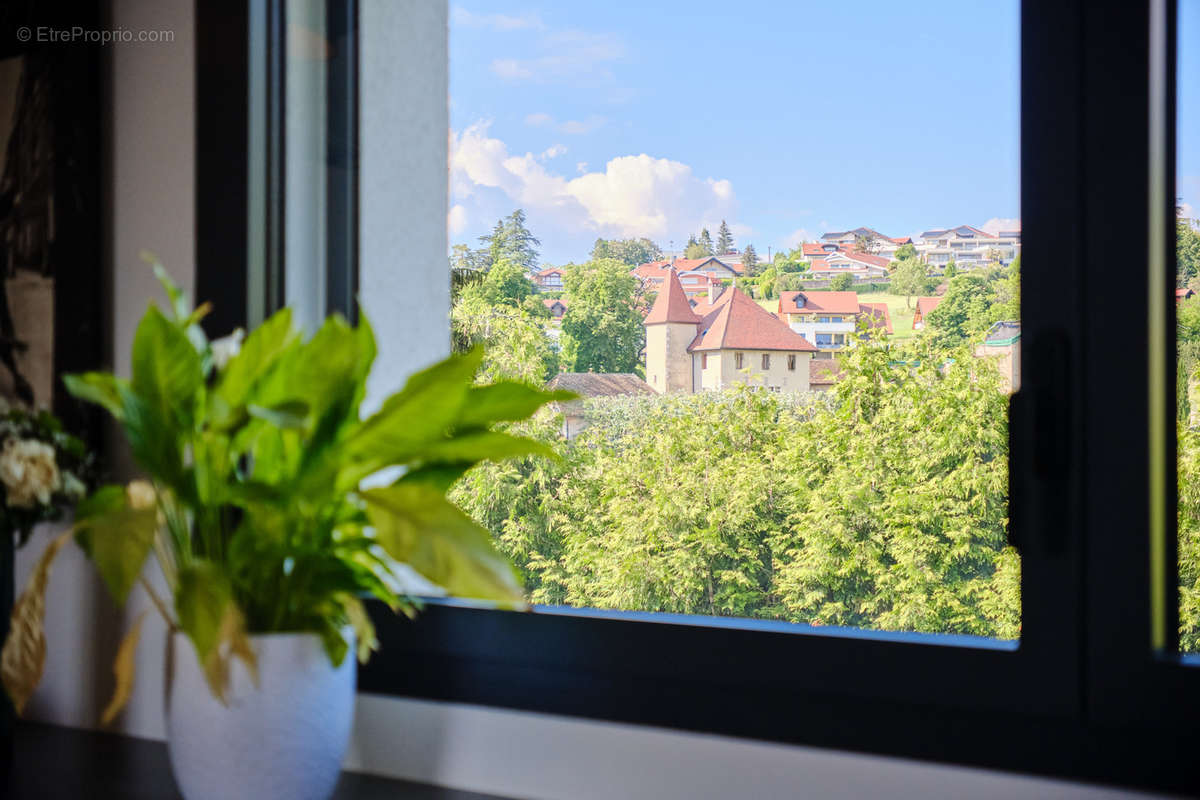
(231, 641)
(123, 671)
(24, 656)
(364, 630)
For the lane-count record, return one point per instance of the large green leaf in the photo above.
(506, 401)
(258, 354)
(207, 613)
(167, 372)
(415, 524)
(483, 446)
(116, 536)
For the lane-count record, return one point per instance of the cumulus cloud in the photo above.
(496, 22)
(1187, 211)
(581, 167)
(635, 195)
(997, 224)
(456, 220)
(553, 151)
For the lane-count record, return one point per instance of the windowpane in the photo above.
(1188, 314)
(692, 210)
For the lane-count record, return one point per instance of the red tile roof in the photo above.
(656, 269)
(879, 315)
(819, 303)
(550, 271)
(671, 305)
(818, 249)
(550, 303)
(900, 239)
(1183, 294)
(927, 304)
(739, 323)
(823, 372)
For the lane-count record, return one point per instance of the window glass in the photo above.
(866, 484)
(1187, 307)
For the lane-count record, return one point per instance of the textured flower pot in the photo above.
(284, 738)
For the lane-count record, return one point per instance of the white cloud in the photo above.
(1187, 211)
(567, 56)
(635, 195)
(577, 127)
(997, 224)
(797, 236)
(581, 167)
(538, 119)
(497, 22)
(553, 151)
(456, 220)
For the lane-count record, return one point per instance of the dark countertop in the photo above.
(52, 762)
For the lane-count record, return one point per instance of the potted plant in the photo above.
(44, 471)
(256, 513)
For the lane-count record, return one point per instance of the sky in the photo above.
(1187, 114)
(787, 119)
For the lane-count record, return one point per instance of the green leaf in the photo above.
(439, 476)
(415, 524)
(257, 356)
(101, 388)
(484, 446)
(288, 414)
(181, 306)
(167, 373)
(506, 401)
(116, 537)
(206, 612)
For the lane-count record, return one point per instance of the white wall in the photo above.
(404, 191)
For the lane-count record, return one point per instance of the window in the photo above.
(1095, 670)
(704, 361)
(737, 360)
(791, 362)
(766, 360)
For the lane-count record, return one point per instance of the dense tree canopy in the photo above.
(910, 278)
(510, 240)
(628, 251)
(749, 260)
(841, 283)
(602, 329)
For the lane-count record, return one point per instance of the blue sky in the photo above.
(788, 119)
(1188, 110)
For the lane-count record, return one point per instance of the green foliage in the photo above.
(1189, 539)
(789, 282)
(516, 347)
(602, 329)
(467, 268)
(628, 251)
(254, 513)
(724, 240)
(973, 302)
(511, 240)
(882, 505)
(841, 283)
(906, 251)
(1187, 250)
(1187, 320)
(910, 278)
(951, 270)
(506, 283)
(706, 241)
(750, 260)
(695, 249)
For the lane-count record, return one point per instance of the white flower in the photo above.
(225, 348)
(29, 472)
(141, 495)
(72, 486)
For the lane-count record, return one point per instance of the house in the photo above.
(823, 374)
(549, 279)
(735, 340)
(1003, 343)
(862, 266)
(967, 247)
(588, 385)
(924, 306)
(557, 307)
(830, 319)
(881, 245)
(1183, 294)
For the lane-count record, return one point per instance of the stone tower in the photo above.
(670, 328)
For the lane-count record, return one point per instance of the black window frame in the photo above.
(1093, 690)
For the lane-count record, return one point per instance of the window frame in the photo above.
(1084, 661)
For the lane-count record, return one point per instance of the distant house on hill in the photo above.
(829, 319)
(823, 374)
(861, 266)
(1183, 294)
(557, 307)
(924, 306)
(734, 340)
(881, 245)
(588, 385)
(967, 247)
(549, 279)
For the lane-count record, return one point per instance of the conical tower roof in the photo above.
(672, 304)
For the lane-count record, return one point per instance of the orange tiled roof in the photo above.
(818, 302)
(739, 323)
(672, 304)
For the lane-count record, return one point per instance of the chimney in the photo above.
(714, 291)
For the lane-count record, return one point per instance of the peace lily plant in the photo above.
(254, 506)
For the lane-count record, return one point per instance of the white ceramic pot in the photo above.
(283, 739)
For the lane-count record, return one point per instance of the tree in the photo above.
(1187, 320)
(865, 243)
(515, 343)
(602, 329)
(906, 251)
(962, 312)
(724, 239)
(629, 251)
(511, 241)
(706, 241)
(951, 269)
(841, 283)
(467, 268)
(910, 278)
(1187, 249)
(749, 260)
(506, 283)
(694, 249)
